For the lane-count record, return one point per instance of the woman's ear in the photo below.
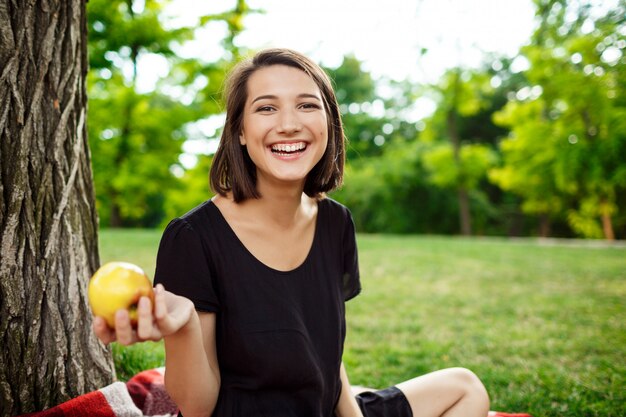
(242, 140)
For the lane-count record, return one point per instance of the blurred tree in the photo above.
(48, 221)
(390, 193)
(191, 190)
(528, 164)
(136, 135)
(494, 210)
(362, 111)
(382, 164)
(453, 161)
(566, 151)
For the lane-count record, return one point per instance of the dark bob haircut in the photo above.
(233, 170)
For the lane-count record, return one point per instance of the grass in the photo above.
(543, 325)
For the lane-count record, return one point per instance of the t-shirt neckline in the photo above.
(257, 260)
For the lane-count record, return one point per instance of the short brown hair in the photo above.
(232, 169)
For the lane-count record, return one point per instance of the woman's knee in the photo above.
(435, 393)
(470, 383)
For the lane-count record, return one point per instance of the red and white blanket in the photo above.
(143, 395)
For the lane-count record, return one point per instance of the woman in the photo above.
(256, 278)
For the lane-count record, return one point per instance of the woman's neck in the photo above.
(280, 207)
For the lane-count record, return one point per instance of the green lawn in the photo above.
(542, 323)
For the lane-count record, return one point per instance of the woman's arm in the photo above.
(191, 369)
(347, 405)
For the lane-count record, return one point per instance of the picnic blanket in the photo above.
(142, 396)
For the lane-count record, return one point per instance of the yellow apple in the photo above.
(116, 286)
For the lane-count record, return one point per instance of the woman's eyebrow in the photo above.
(306, 95)
(264, 97)
(273, 97)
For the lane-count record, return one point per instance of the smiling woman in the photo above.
(285, 132)
(257, 277)
(292, 95)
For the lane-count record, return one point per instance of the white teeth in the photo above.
(288, 148)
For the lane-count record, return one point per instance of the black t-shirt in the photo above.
(279, 335)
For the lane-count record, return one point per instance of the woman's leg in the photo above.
(446, 393)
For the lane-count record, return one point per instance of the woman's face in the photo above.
(285, 127)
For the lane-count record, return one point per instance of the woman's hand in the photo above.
(170, 314)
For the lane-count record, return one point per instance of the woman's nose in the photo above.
(289, 122)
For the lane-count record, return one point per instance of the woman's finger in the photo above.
(102, 330)
(145, 323)
(123, 328)
(160, 308)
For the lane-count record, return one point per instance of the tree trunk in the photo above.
(465, 215)
(48, 221)
(607, 223)
(607, 227)
(544, 225)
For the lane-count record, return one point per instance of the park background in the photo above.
(529, 144)
(524, 142)
(487, 183)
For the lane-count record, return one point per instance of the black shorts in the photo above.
(389, 402)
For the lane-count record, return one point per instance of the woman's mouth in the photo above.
(288, 149)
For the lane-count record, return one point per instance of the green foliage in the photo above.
(502, 149)
(135, 139)
(193, 189)
(390, 193)
(117, 29)
(136, 136)
(445, 172)
(565, 156)
(370, 121)
(456, 160)
(529, 156)
(356, 92)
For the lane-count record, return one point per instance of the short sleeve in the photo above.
(182, 266)
(351, 276)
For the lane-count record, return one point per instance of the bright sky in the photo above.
(386, 35)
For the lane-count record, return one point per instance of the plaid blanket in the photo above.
(143, 395)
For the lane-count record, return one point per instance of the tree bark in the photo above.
(48, 220)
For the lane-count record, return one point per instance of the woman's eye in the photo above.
(265, 108)
(310, 106)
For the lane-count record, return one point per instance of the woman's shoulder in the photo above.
(333, 206)
(200, 211)
(337, 215)
(196, 218)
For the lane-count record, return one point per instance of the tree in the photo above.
(529, 155)
(454, 161)
(48, 221)
(566, 152)
(363, 112)
(136, 135)
(390, 194)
